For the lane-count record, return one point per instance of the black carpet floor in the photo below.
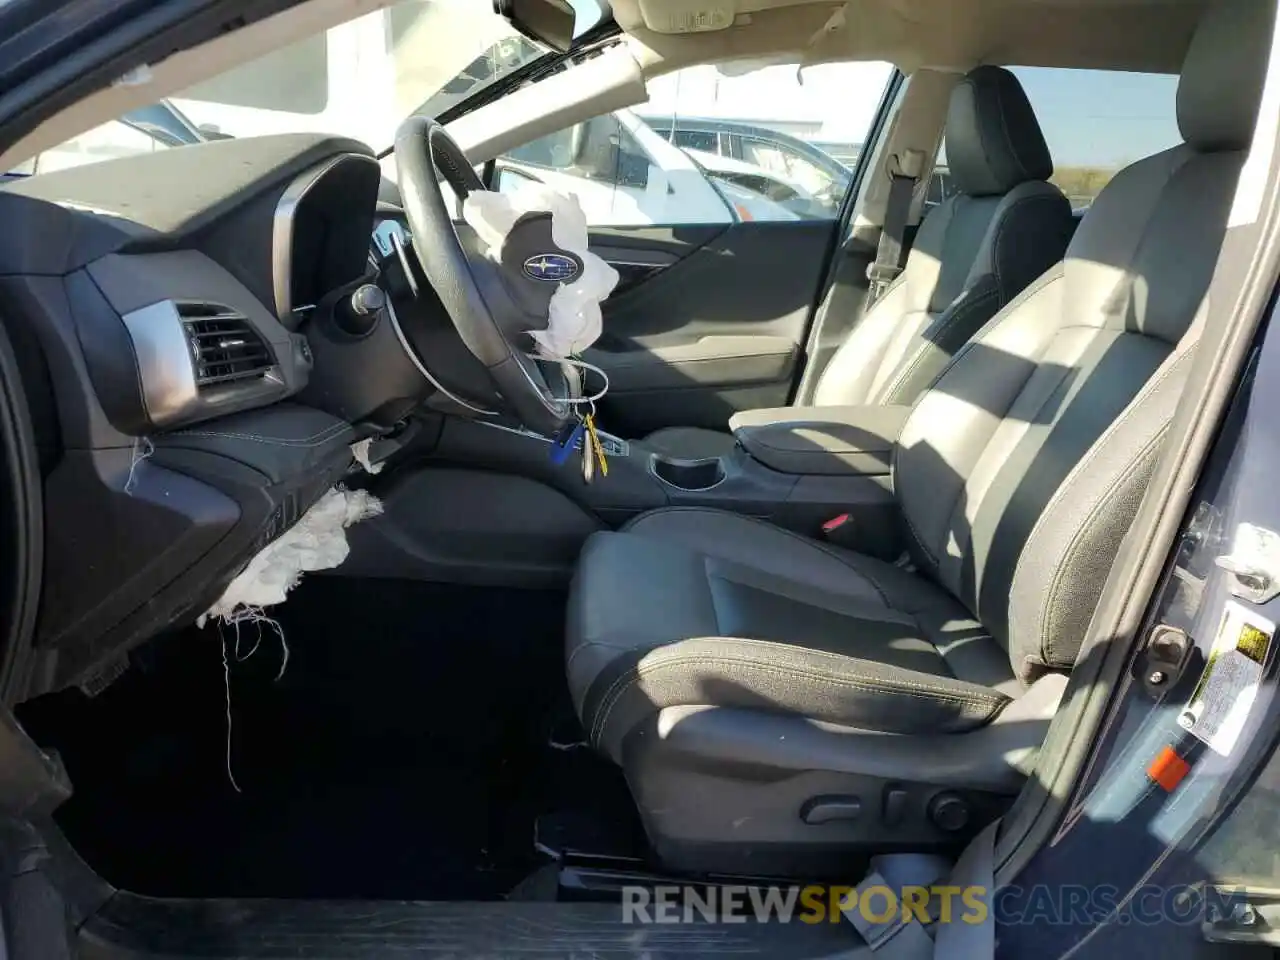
(403, 754)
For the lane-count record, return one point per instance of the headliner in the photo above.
(1139, 35)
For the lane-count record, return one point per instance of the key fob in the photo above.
(565, 441)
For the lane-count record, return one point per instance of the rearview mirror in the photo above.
(549, 22)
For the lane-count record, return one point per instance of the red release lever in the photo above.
(835, 523)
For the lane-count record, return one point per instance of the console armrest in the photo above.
(833, 441)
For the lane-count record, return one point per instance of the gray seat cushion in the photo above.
(737, 612)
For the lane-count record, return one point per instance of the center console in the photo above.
(800, 468)
(485, 502)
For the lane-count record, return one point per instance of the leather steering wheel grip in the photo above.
(424, 152)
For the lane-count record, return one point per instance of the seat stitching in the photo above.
(331, 428)
(631, 525)
(915, 535)
(632, 677)
(588, 644)
(613, 693)
(1078, 470)
(1094, 513)
(947, 324)
(318, 438)
(897, 687)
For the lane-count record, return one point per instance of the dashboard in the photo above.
(177, 317)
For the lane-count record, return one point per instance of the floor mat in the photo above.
(402, 754)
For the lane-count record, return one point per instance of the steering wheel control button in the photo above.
(358, 314)
(830, 809)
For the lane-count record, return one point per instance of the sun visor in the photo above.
(539, 237)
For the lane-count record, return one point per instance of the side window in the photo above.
(714, 145)
(1097, 122)
(600, 149)
(806, 175)
(940, 187)
(703, 140)
(107, 142)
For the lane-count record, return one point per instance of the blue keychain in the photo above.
(566, 442)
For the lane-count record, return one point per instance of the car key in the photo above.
(564, 441)
(588, 459)
(597, 448)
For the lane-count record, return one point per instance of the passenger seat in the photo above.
(972, 255)
(780, 704)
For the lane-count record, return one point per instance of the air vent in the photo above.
(225, 348)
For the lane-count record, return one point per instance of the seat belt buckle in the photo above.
(841, 530)
(881, 276)
(883, 273)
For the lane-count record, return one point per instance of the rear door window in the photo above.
(697, 140)
(1097, 122)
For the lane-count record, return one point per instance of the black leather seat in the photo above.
(972, 255)
(774, 699)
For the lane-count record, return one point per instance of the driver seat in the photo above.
(777, 702)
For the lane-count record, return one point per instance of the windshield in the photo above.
(360, 79)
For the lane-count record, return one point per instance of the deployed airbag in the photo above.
(318, 541)
(574, 319)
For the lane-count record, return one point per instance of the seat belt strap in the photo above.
(878, 912)
(893, 234)
(892, 935)
(976, 868)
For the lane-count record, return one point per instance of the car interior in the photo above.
(861, 501)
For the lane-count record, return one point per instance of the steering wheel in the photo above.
(468, 283)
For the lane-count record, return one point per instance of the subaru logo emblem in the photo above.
(554, 267)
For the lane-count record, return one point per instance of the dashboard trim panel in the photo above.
(282, 229)
(165, 370)
(165, 357)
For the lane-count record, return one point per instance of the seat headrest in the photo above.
(993, 138)
(1222, 74)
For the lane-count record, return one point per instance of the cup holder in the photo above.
(690, 475)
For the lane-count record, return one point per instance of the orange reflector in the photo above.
(1168, 769)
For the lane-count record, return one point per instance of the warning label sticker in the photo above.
(1220, 704)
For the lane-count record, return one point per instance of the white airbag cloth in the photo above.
(574, 321)
(318, 541)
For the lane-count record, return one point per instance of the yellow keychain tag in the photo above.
(596, 447)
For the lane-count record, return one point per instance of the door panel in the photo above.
(711, 320)
(639, 253)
